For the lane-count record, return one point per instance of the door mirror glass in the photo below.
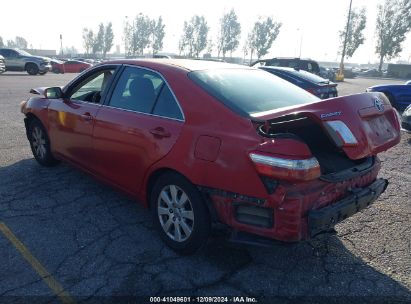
(53, 93)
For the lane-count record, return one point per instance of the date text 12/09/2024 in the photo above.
(239, 299)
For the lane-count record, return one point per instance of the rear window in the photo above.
(248, 91)
(308, 76)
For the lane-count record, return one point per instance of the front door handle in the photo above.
(160, 132)
(87, 116)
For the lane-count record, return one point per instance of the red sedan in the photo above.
(200, 142)
(70, 66)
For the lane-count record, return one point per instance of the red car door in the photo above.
(137, 127)
(71, 118)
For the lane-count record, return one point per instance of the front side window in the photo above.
(144, 91)
(249, 91)
(92, 88)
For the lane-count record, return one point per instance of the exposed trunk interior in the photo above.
(331, 158)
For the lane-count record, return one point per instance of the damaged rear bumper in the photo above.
(297, 212)
(326, 218)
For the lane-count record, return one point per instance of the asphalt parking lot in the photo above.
(67, 237)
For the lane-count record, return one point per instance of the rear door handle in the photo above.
(87, 116)
(160, 132)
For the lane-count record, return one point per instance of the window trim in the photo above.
(109, 95)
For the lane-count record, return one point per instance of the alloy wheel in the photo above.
(175, 213)
(39, 142)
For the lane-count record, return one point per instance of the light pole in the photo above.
(341, 72)
(125, 36)
(61, 44)
(301, 41)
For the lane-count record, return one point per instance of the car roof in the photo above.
(186, 64)
(286, 69)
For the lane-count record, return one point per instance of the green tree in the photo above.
(98, 42)
(140, 34)
(108, 39)
(186, 44)
(229, 33)
(200, 34)
(393, 23)
(158, 34)
(194, 38)
(262, 36)
(355, 36)
(127, 37)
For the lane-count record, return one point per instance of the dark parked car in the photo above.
(314, 84)
(370, 73)
(327, 73)
(308, 65)
(201, 141)
(398, 94)
(406, 119)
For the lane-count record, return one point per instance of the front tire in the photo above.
(32, 69)
(40, 144)
(180, 214)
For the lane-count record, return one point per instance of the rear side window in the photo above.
(249, 91)
(166, 105)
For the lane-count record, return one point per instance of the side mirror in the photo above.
(53, 93)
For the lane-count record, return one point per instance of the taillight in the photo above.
(341, 134)
(312, 91)
(286, 169)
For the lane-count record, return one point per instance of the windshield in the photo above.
(24, 53)
(249, 91)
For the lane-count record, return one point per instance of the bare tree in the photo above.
(229, 33)
(88, 40)
(18, 42)
(355, 36)
(1, 42)
(21, 43)
(393, 23)
(72, 51)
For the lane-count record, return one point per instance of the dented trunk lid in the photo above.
(369, 116)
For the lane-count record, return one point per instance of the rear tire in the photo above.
(180, 214)
(32, 69)
(40, 144)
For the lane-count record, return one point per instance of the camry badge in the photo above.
(338, 113)
(379, 104)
